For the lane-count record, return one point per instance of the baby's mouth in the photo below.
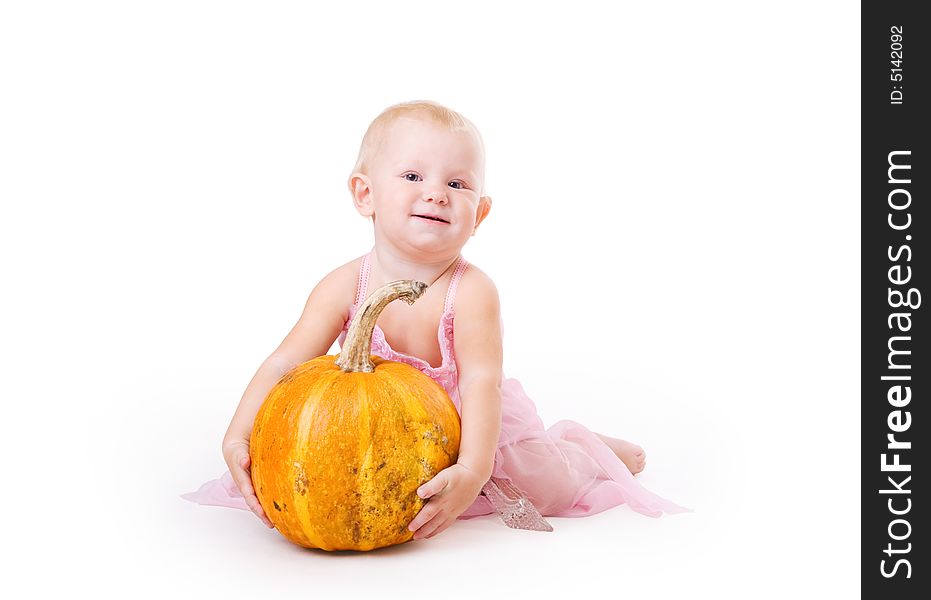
(432, 218)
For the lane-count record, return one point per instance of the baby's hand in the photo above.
(238, 461)
(451, 491)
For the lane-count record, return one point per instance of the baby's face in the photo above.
(423, 188)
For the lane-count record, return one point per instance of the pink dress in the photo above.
(565, 471)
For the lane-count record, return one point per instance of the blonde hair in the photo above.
(376, 134)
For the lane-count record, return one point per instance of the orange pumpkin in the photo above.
(341, 444)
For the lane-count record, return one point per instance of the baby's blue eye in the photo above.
(408, 176)
(459, 183)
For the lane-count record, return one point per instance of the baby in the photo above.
(420, 176)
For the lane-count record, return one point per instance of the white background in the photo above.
(173, 183)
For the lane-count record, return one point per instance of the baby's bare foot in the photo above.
(631, 454)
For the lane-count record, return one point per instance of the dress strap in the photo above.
(363, 284)
(454, 284)
(366, 267)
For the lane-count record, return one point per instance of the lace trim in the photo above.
(454, 284)
(363, 283)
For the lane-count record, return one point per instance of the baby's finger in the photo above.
(260, 513)
(431, 527)
(428, 512)
(243, 482)
(434, 486)
(443, 527)
(256, 507)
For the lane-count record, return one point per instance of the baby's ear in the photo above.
(360, 186)
(484, 206)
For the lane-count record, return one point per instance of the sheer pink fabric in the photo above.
(565, 471)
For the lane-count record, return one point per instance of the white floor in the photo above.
(772, 514)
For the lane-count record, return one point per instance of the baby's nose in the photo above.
(436, 196)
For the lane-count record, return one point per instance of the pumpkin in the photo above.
(341, 444)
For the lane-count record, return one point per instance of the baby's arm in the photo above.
(312, 335)
(478, 361)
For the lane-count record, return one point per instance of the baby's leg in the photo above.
(631, 454)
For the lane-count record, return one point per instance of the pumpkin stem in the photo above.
(355, 355)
